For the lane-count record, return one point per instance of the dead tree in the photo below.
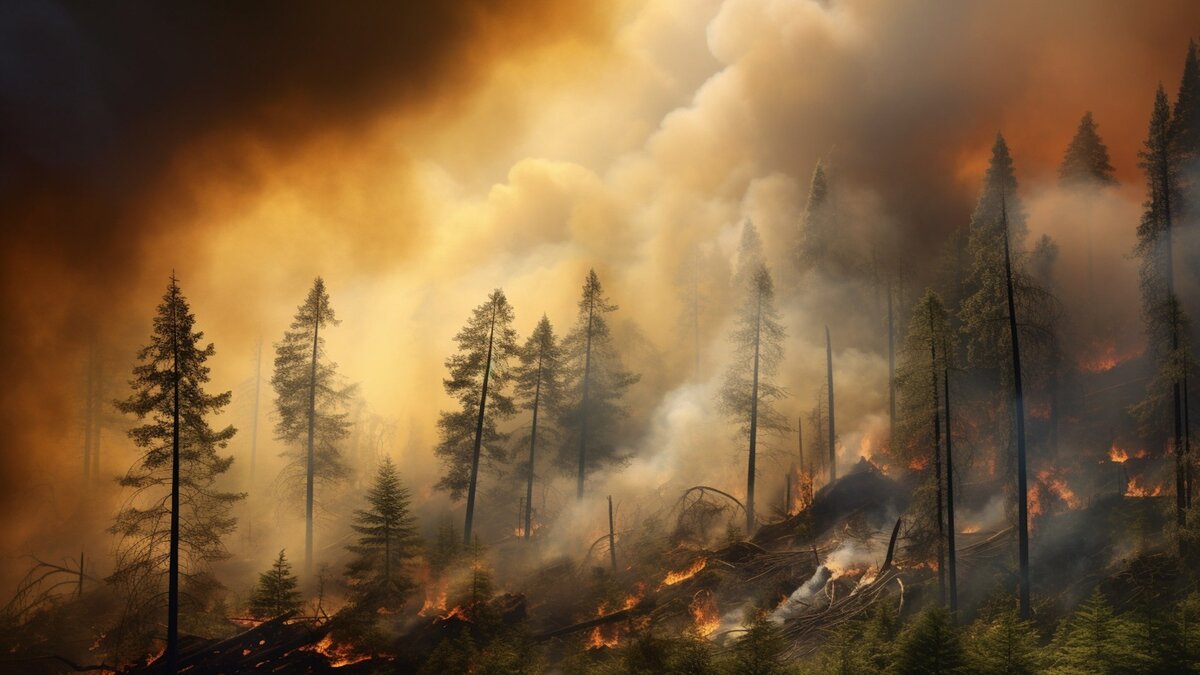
(1019, 415)
(832, 430)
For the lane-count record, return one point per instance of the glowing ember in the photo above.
(597, 639)
(970, 529)
(1135, 489)
(154, 657)
(434, 601)
(704, 613)
(1106, 358)
(673, 578)
(1056, 484)
(1117, 455)
(457, 612)
(338, 654)
(918, 463)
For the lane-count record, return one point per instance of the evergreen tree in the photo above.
(276, 592)
(818, 229)
(1093, 640)
(1004, 644)
(447, 547)
(595, 382)
(760, 650)
(387, 543)
(1086, 158)
(1164, 317)
(748, 394)
(310, 403)
(932, 644)
(538, 388)
(749, 256)
(173, 521)
(1185, 124)
(479, 373)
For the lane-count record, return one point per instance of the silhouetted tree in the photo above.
(595, 381)
(818, 228)
(538, 388)
(310, 402)
(1086, 159)
(173, 521)
(387, 542)
(276, 592)
(931, 644)
(748, 394)
(479, 373)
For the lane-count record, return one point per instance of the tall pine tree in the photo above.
(595, 383)
(310, 401)
(538, 389)
(479, 373)
(174, 519)
(379, 575)
(748, 394)
(818, 229)
(1086, 159)
(276, 592)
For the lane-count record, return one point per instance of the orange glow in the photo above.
(1053, 480)
(918, 463)
(1106, 358)
(704, 613)
(338, 654)
(457, 612)
(1117, 455)
(970, 529)
(1135, 489)
(1035, 502)
(673, 578)
(435, 600)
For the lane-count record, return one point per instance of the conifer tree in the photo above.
(1185, 125)
(538, 388)
(479, 373)
(594, 384)
(931, 644)
(818, 229)
(1086, 159)
(310, 403)
(276, 592)
(760, 650)
(748, 394)
(387, 543)
(1004, 644)
(174, 519)
(1093, 640)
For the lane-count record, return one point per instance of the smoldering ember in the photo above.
(650, 336)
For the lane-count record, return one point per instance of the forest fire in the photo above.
(1117, 455)
(692, 570)
(1134, 488)
(1054, 481)
(1106, 358)
(435, 599)
(339, 655)
(704, 612)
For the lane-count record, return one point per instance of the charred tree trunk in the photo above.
(612, 542)
(583, 402)
(1173, 304)
(952, 558)
(891, 348)
(750, 469)
(173, 555)
(937, 460)
(310, 467)
(1019, 415)
(487, 371)
(832, 426)
(537, 400)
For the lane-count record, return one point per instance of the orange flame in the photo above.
(1135, 489)
(1106, 359)
(673, 578)
(338, 654)
(970, 529)
(1053, 480)
(704, 613)
(1117, 455)
(435, 600)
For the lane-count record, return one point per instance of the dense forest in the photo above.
(856, 449)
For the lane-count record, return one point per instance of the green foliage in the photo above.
(307, 385)
(594, 384)
(1093, 640)
(379, 575)
(931, 644)
(276, 592)
(485, 345)
(447, 547)
(1086, 159)
(760, 650)
(1004, 644)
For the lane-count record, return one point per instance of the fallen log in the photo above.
(644, 606)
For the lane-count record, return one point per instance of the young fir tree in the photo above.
(760, 649)
(1160, 413)
(931, 644)
(923, 359)
(276, 592)
(172, 523)
(538, 389)
(818, 229)
(748, 394)
(1004, 644)
(379, 575)
(310, 403)
(479, 373)
(1094, 640)
(1086, 159)
(594, 382)
(1185, 127)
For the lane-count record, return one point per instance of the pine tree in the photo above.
(1165, 319)
(1086, 159)
(1004, 644)
(1185, 124)
(1093, 640)
(538, 388)
(932, 644)
(818, 229)
(387, 543)
(173, 522)
(760, 650)
(479, 373)
(310, 403)
(748, 394)
(276, 592)
(447, 547)
(594, 382)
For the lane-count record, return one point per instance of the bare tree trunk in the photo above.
(832, 425)
(937, 460)
(487, 371)
(950, 548)
(310, 467)
(537, 399)
(583, 404)
(1019, 415)
(750, 469)
(173, 556)
(612, 542)
(891, 347)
